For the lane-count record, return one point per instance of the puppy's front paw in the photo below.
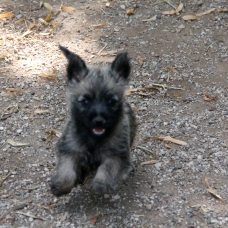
(62, 186)
(58, 190)
(101, 186)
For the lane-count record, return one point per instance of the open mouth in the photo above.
(98, 131)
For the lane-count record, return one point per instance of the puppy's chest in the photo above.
(95, 154)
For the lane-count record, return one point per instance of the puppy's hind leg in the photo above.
(65, 178)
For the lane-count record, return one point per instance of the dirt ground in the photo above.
(184, 63)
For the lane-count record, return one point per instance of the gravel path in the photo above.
(184, 64)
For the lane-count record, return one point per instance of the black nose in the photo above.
(98, 120)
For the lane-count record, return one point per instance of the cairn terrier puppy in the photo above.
(100, 129)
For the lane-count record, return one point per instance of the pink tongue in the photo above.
(98, 131)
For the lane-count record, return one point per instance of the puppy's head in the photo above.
(96, 95)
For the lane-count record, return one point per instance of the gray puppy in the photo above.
(100, 129)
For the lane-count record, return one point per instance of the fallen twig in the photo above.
(113, 52)
(148, 151)
(19, 206)
(170, 139)
(156, 3)
(175, 88)
(5, 178)
(170, 4)
(212, 191)
(33, 188)
(102, 49)
(29, 215)
(149, 162)
(49, 207)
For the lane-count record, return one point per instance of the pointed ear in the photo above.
(76, 68)
(121, 66)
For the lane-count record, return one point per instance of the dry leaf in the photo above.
(203, 209)
(1, 181)
(176, 11)
(176, 95)
(141, 61)
(19, 21)
(7, 93)
(27, 33)
(171, 12)
(14, 90)
(205, 12)
(108, 4)
(194, 17)
(193, 204)
(215, 194)
(38, 111)
(32, 25)
(49, 206)
(99, 25)
(145, 94)
(160, 85)
(4, 55)
(49, 137)
(129, 91)
(55, 132)
(208, 99)
(44, 33)
(51, 75)
(64, 217)
(189, 17)
(113, 52)
(8, 15)
(67, 9)
(10, 110)
(95, 219)
(51, 133)
(170, 139)
(13, 109)
(4, 70)
(224, 10)
(16, 144)
(181, 26)
(54, 26)
(179, 8)
(150, 19)
(43, 21)
(149, 162)
(48, 6)
(10, 38)
(139, 109)
(173, 69)
(167, 146)
(130, 12)
(212, 191)
(49, 17)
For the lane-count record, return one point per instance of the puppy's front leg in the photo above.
(109, 174)
(65, 178)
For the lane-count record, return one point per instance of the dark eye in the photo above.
(85, 102)
(113, 100)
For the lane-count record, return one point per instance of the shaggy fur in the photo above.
(100, 129)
